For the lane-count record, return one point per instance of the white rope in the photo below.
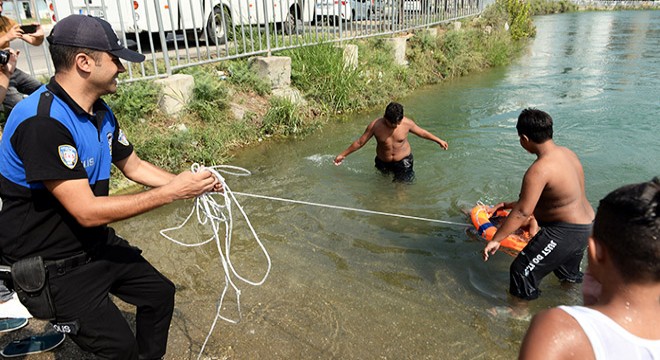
(353, 209)
(209, 211)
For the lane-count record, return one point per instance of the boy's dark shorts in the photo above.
(402, 169)
(558, 247)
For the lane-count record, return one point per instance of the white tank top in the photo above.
(609, 340)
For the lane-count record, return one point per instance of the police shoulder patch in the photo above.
(122, 138)
(68, 155)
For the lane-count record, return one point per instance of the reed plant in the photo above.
(320, 73)
(282, 118)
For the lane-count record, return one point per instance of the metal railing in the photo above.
(175, 34)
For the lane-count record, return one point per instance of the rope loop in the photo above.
(214, 213)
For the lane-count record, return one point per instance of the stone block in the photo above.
(176, 92)
(275, 69)
(291, 94)
(350, 56)
(398, 45)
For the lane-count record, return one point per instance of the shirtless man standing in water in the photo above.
(553, 191)
(393, 152)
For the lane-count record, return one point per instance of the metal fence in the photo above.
(174, 34)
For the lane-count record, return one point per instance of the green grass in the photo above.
(282, 118)
(319, 72)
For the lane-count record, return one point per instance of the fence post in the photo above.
(161, 33)
(267, 27)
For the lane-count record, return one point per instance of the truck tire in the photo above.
(217, 30)
(291, 25)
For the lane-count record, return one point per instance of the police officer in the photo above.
(55, 159)
(6, 71)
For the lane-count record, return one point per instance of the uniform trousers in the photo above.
(85, 310)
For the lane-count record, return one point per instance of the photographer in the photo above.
(8, 59)
(7, 67)
(20, 82)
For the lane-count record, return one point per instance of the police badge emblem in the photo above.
(68, 155)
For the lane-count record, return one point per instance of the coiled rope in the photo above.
(209, 211)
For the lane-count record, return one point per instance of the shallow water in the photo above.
(347, 284)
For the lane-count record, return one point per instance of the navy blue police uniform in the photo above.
(50, 137)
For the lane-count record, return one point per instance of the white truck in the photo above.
(217, 20)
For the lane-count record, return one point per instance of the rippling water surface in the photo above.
(346, 284)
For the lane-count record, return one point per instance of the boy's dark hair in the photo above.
(628, 224)
(64, 56)
(394, 113)
(535, 124)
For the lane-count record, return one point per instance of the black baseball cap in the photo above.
(89, 32)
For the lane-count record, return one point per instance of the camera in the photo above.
(4, 57)
(29, 29)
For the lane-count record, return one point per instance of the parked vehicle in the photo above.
(335, 11)
(427, 6)
(215, 20)
(362, 9)
(386, 9)
(383, 9)
(342, 10)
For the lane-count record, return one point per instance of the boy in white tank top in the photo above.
(622, 317)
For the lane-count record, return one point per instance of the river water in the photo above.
(347, 284)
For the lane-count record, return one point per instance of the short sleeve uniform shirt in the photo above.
(49, 137)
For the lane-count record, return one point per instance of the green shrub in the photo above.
(541, 7)
(134, 101)
(319, 72)
(499, 49)
(520, 20)
(424, 55)
(382, 80)
(282, 118)
(245, 79)
(209, 94)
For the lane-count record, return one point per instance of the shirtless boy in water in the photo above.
(553, 191)
(393, 152)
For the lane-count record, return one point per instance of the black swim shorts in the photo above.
(558, 247)
(402, 169)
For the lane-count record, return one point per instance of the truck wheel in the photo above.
(291, 25)
(219, 31)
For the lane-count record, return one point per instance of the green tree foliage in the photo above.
(520, 19)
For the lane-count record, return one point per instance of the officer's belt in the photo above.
(62, 266)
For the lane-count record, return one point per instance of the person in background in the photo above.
(553, 191)
(624, 260)
(393, 152)
(6, 71)
(20, 83)
(56, 154)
